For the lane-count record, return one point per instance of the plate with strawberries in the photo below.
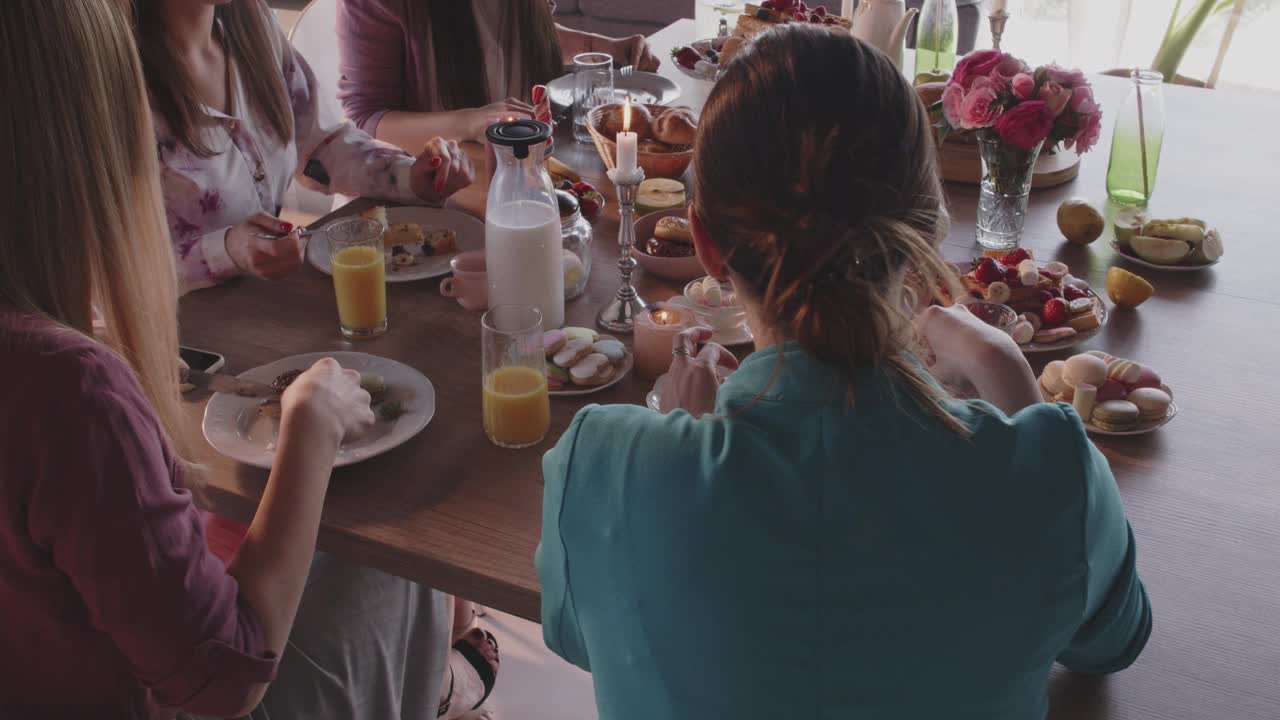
(1055, 310)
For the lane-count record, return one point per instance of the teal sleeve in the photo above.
(1117, 617)
(560, 630)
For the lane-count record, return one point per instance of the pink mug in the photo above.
(470, 283)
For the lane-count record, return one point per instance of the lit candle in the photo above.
(655, 331)
(627, 143)
(998, 6)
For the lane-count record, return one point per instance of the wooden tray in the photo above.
(960, 162)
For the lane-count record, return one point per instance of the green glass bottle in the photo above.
(1131, 174)
(936, 37)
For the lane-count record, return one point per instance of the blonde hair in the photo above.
(248, 37)
(827, 205)
(80, 203)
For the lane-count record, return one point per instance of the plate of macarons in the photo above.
(581, 361)
(1112, 395)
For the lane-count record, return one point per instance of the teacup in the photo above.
(469, 284)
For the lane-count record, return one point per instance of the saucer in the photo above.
(739, 334)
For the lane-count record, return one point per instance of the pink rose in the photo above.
(1024, 86)
(1026, 125)
(977, 64)
(1055, 96)
(978, 109)
(1006, 70)
(1087, 134)
(1068, 78)
(952, 101)
(1082, 100)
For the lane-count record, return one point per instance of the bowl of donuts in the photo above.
(665, 136)
(664, 246)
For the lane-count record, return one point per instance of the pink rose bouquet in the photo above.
(992, 90)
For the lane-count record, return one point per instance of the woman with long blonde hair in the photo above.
(828, 533)
(113, 606)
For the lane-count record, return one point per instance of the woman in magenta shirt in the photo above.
(413, 69)
(112, 605)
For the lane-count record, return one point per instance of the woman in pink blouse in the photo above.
(236, 119)
(412, 69)
(113, 608)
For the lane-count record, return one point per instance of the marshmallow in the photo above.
(1085, 398)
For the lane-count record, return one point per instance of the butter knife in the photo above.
(218, 382)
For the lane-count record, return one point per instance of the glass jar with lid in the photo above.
(575, 239)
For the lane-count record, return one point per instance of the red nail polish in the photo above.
(435, 162)
(286, 227)
(439, 187)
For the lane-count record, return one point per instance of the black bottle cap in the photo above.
(519, 134)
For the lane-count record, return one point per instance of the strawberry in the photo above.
(582, 189)
(590, 206)
(685, 57)
(1071, 292)
(988, 271)
(1055, 312)
(1015, 257)
(1044, 296)
(767, 5)
(1011, 277)
(820, 11)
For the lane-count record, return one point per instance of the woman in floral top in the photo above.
(232, 134)
(236, 120)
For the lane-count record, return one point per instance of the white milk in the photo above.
(523, 258)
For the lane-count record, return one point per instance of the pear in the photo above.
(1161, 251)
(1208, 250)
(1128, 223)
(1080, 222)
(1174, 230)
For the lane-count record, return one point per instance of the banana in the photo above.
(1186, 232)
(555, 167)
(1189, 221)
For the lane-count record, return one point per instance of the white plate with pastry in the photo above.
(245, 429)
(418, 243)
(581, 361)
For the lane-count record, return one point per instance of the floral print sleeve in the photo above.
(341, 159)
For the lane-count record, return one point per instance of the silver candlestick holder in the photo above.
(997, 20)
(620, 314)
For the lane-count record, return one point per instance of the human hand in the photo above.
(442, 169)
(635, 51)
(272, 258)
(327, 399)
(960, 348)
(696, 373)
(479, 119)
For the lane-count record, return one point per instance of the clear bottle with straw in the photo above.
(1135, 145)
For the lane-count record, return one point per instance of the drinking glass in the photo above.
(1136, 143)
(592, 86)
(359, 276)
(517, 409)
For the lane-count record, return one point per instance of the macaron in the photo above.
(1152, 404)
(1098, 353)
(1084, 370)
(1116, 416)
(1112, 389)
(1126, 371)
(1022, 332)
(1051, 377)
(1147, 378)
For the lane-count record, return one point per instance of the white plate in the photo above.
(643, 87)
(737, 335)
(1098, 305)
(619, 372)
(1144, 426)
(234, 428)
(1130, 257)
(470, 237)
(701, 46)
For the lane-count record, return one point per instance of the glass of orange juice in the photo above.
(359, 276)
(517, 409)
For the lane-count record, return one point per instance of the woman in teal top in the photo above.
(827, 534)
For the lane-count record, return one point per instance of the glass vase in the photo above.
(1007, 171)
(1136, 142)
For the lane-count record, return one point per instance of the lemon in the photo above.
(1080, 222)
(1127, 290)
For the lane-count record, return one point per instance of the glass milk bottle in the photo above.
(522, 224)
(1135, 146)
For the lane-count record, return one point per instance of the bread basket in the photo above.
(656, 165)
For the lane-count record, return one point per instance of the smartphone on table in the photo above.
(202, 360)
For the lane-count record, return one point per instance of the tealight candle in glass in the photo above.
(656, 329)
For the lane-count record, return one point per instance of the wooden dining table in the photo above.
(452, 511)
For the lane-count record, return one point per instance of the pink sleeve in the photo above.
(371, 49)
(116, 521)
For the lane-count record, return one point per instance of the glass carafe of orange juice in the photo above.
(516, 407)
(522, 223)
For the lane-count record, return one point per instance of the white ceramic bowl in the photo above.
(679, 269)
(722, 318)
